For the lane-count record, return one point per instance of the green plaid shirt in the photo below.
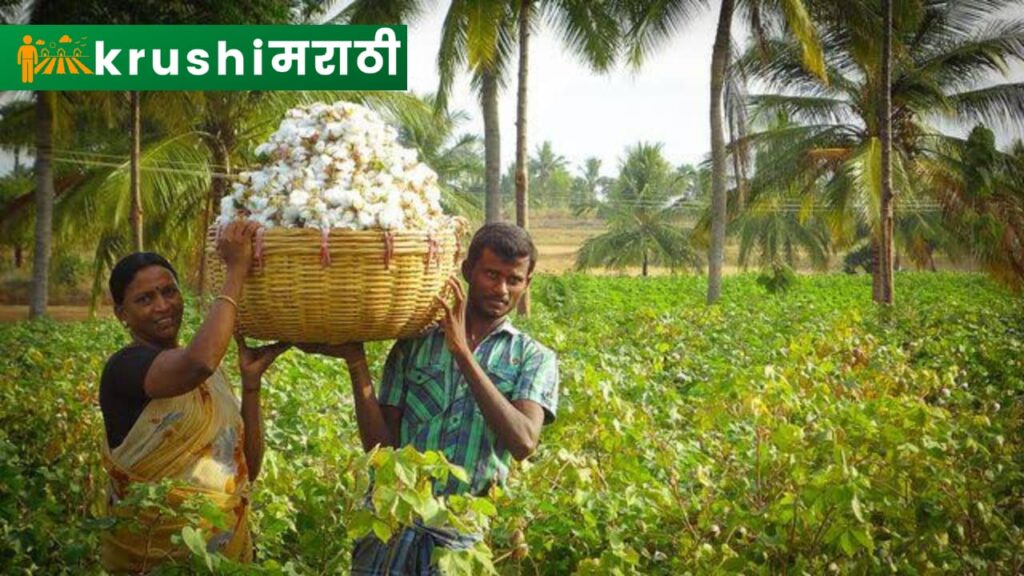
(439, 412)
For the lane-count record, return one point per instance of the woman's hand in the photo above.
(253, 362)
(235, 246)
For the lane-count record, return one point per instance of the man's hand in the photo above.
(253, 362)
(454, 321)
(352, 352)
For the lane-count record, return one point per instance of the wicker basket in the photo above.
(351, 286)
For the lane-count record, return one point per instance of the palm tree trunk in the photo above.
(136, 131)
(522, 183)
(645, 264)
(44, 205)
(492, 146)
(719, 64)
(738, 171)
(885, 264)
(19, 258)
(876, 266)
(218, 187)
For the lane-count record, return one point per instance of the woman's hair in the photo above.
(124, 271)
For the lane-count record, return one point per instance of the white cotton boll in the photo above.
(227, 206)
(290, 216)
(269, 214)
(360, 181)
(298, 198)
(338, 165)
(356, 201)
(335, 129)
(364, 220)
(384, 180)
(257, 203)
(335, 197)
(258, 181)
(336, 152)
(433, 195)
(391, 218)
(343, 181)
(347, 220)
(346, 166)
(374, 195)
(408, 157)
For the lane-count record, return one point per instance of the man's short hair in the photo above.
(508, 241)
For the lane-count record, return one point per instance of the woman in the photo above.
(170, 414)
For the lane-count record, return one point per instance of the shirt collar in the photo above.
(506, 326)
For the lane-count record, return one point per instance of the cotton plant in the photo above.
(337, 166)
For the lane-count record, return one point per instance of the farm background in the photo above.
(808, 432)
(797, 424)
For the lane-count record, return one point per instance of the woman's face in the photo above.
(152, 307)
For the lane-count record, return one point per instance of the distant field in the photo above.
(558, 235)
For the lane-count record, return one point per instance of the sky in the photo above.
(587, 114)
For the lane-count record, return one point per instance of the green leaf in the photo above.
(361, 524)
(483, 507)
(460, 473)
(382, 530)
(787, 436)
(194, 540)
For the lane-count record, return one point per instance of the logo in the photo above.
(193, 57)
(61, 57)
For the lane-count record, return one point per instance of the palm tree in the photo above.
(775, 229)
(545, 166)
(589, 185)
(643, 221)
(832, 153)
(592, 31)
(981, 190)
(884, 290)
(652, 24)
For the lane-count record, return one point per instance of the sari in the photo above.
(195, 440)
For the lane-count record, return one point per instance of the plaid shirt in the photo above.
(439, 412)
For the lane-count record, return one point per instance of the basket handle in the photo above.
(389, 249)
(325, 250)
(257, 253)
(433, 253)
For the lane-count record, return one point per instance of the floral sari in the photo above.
(195, 440)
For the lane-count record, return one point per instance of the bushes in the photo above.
(805, 432)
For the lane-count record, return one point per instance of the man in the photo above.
(475, 388)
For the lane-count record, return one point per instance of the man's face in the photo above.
(153, 306)
(495, 285)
